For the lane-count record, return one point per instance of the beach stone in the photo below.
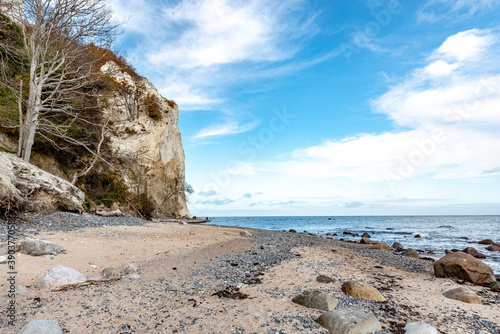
(128, 267)
(41, 327)
(479, 255)
(381, 246)
(493, 248)
(134, 276)
(3, 259)
(245, 234)
(316, 299)
(464, 266)
(35, 247)
(418, 236)
(111, 273)
(361, 291)
(366, 235)
(4, 248)
(470, 250)
(61, 275)
(366, 241)
(397, 245)
(410, 252)
(419, 328)
(463, 294)
(349, 321)
(182, 222)
(324, 279)
(295, 231)
(486, 242)
(495, 286)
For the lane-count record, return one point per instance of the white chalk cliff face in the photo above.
(148, 149)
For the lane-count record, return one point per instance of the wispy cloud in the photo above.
(447, 118)
(228, 128)
(438, 10)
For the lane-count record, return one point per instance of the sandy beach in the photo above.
(183, 266)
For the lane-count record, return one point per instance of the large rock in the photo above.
(35, 247)
(464, 266)
(349, 321)
(493, 248)
(361, 290)
(146, 148)
(366, 241)
(41, 327)
(34, 188)
(316, 299)
(380, 246)
(61, 275)
(419, 328)
(463, 294)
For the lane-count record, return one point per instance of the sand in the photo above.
(180, 270)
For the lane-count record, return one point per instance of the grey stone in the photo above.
(349, 321)
(128, 267)
(419, 328)
(41, 327)
(111, 273)
(134, 276)
(463, 294)
(245, 233)
(410, 252)
(61, 275)
(35, 247)
(316, 299)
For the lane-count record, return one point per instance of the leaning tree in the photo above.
(55, 35)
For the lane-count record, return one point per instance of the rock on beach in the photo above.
(463, 294)
(362, 291)
(419, 328)
(316, 299)
(349, 321)
(464, 266)
(35, 247)
(61, 275)
(41, 327)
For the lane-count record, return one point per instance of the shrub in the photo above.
(152, 107)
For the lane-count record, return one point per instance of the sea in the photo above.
(437, 233)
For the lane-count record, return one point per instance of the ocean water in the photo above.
(438, 233)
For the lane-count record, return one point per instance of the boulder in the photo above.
(470, 250)
(366, 235)
(493, 248)
(295, 231)
(61, 275)
(486, 242)
(349, 321)
(361, 291)
(245, 233)
(381, 246)
(128, 267)
(41, 327)
(35, 247)
(479, 255)
(464, 266)
(316, 299)
(111, 273)
(397, 245)
(410, 252)
(35, 188)
(366, 241)
(463, 294)
(418, 236)
(419, 328)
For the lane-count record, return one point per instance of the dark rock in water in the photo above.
(464, 238)
(431, 252)
(366, 241)
(324, 279)
(397, 245)
(389, 229)
(486, 242)
(470, 250)
(493, 248)
(329, 234)
(366, 235)
(347, 233)
(410, 252)
(316, 299)
(41, 327)
(361, 290)
(355, 235)
(334, 234)
(292, 230)
(418, 236)
(349, 321)
(464, 266)
(454, 250)
(479, 255)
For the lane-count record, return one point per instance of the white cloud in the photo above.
(448, 128)
(228, 128)
(437, 10)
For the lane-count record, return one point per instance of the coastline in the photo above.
(208, 259)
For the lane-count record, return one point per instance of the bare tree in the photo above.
(55, 34)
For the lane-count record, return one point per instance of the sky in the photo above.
(328, 107)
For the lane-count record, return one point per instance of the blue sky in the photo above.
(311, 107)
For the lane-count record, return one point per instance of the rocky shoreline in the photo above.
(177, 289)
